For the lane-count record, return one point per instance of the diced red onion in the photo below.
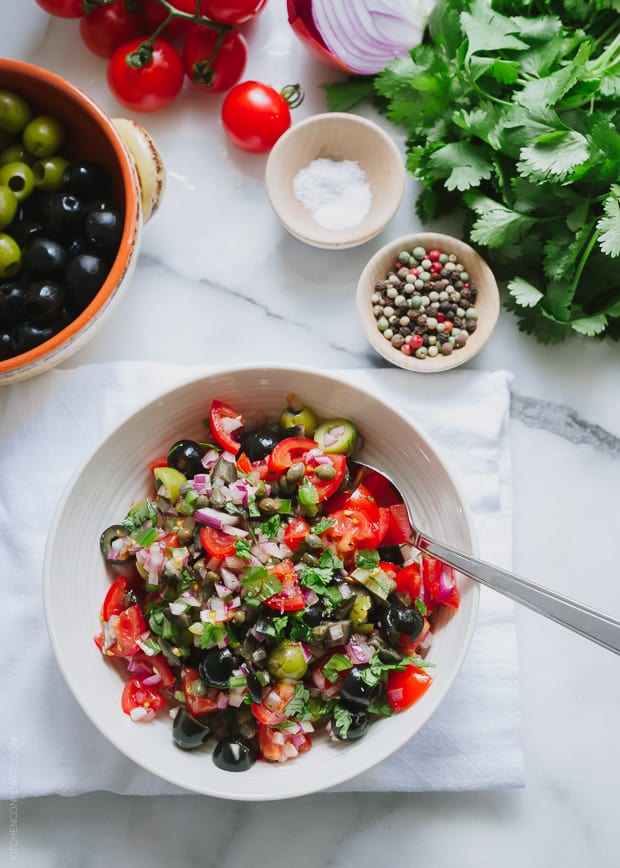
(305, 650)
(189, 598)
(278, 737)
(235, 531)
(272, 700)
(359, 651)
(322, 459)
(230, 579)
(231, 423)
(289, 750)
(336, 632)
(396, 694)
(310, 597)
(153, 679)
(141, 715)
(319, 679)
(222, 701)
(236, 697)
(215, 518)
(177, 607)
(210, 458)
(298, 740)
(221, 590)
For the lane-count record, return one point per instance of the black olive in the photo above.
(216, 667)
(313, 615)
(254, 686)
(354, 691)
(259, 442)
(116, 531)
(25, 230)
(12, 297)
(28, 335)
(63, 216)
(6, 344)
(85, 179)
(404, 619)
(234, 754)
(98, 204)
(187, 732)
(44, 256)
(84, 277)
(186, 457)
(348, 725)
(391, 554)
(44, 301)
(104, 229)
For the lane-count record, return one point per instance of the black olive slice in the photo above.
(234, 754)
(187, 732)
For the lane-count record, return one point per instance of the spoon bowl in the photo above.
(590, 623)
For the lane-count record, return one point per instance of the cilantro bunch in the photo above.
(512, 112)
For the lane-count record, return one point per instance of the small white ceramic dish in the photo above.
(337, 137)
(116, 475)
(487, 302)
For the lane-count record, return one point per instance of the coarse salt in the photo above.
(335, 192)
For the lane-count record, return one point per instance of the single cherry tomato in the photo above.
(231, 11)
(118, 598)
(272, 710)
(254, 116)
(277, 745)
(154, 15)
(406, 686)
(63, 8)
(148, 87)
(108, 27)
(224, 423)
(199, 698)
(217, 543)
(296, 532)
(211, 71)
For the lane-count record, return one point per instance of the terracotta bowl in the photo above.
(130, 157)
(487, 302)
(336, 137)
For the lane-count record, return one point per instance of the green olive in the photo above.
(8, 206)
(297, 414)
(6, 139)
(43, 136)
(10, 256)
(15, 153)
(287, 661)
(14, 112)
(48, 172)
(17, 177)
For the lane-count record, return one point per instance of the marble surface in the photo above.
(220, 281)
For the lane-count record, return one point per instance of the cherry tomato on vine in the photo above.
(254, 116)
(63, 8)
(231, 11)
(151, 86)
(108, 27)
(226, 68)
(154, 14)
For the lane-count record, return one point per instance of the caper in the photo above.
(325, 471)
(313, 541)
(287, 661)
(310, 559)
(218, 498)
(296, 472)
(268, 505)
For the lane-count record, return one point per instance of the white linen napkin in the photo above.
(50, 423)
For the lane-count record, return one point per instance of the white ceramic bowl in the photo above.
(116, 474)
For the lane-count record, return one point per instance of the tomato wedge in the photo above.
(288, 452)
(137, 695)
(118, 598)
(296, 532)
(440, 583)
(130, 627)
(278, 746)
(217, 543)
(290, 598)
(198, 701)
(272, 710)
(406, 686)
(158, 666)
(325, 488)
(222, 421)
(409, 580)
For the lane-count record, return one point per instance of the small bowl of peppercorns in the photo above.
(427, 302)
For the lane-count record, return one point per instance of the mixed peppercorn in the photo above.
(425, 304)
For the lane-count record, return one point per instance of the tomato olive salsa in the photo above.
(265, 590)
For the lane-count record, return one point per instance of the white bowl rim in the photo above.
(195, 377)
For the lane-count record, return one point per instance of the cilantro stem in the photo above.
(584, 257)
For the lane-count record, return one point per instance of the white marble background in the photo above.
(235, 287)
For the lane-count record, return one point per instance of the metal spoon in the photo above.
(594, 625)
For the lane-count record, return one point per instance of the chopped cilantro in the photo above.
(271, 527)
(323, 524)
(211, 634)
(139, 515)
(336, 664)
(298, 705)
(367, 559)
(342, 720)
(260, 584)
(243, 549)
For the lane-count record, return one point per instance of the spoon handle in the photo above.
(590, 623)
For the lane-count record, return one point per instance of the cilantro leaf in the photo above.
(496, 224)
(462, 165)
(554, 156)
(343, 719)
(367, 559)
(609, 225)
(336, 664)
(271, 527)
(243, 549)
(524, 293)
(297, 706)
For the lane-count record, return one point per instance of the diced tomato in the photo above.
(217, 543)
(170, 541)
(288, 452)
(158, 666)
(352, 530)
(409, 580)
(277, 745)
(290, 598)
(296, 532)
(360, 498)
(440, 583)
(162, 461)
(325, 488)
(399, 529)
(136, 694)
(197, 703)
(244, 465)
(406, 686)
(118, 598)
(130, 627)
(225, 436)
(272, 710)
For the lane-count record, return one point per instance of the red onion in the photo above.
(215, 518)
(361, 36)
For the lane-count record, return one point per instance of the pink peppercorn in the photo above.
(440, 317)
(415, 341)
(433, 255)
(406, 349)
